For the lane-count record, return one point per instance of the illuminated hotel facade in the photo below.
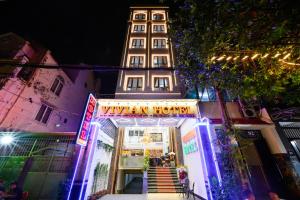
(150, 118)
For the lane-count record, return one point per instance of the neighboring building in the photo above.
(40, 99)
(41, 111)
(287, 120)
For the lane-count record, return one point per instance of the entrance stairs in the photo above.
(163, 180)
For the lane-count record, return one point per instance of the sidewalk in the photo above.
(151, 196)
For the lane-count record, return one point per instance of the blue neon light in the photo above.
(75, 171)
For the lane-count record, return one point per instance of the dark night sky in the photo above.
(75, 31)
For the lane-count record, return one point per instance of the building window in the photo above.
(136, 61)
(161, 84)
(160, 61)
(135, 84)
(139, 28)
(158, 16)
(159, 43)
(57, 85)
(137, 43)
(44, 113)
(140, 16)
(158, 28)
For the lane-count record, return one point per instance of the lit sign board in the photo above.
(189, 143)
(144, 108)
(83, 133)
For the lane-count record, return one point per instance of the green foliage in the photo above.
(146, 162)
(202, 29)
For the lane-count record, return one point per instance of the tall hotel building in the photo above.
(147, 46)
(137, 142)
(150, 120)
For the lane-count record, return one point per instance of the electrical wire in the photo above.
(37, 103)
(101, 68)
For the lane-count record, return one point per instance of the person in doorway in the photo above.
(182, 176)
(15, 192)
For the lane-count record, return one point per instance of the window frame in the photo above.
(138, 64)
(139, 28)
(157, 63)
(137, 16)
(137, 43)
(159, 43)
(44, 113)
(57, 85)
(159, 30)
(155, 16)
(136, 84)
(161, 81)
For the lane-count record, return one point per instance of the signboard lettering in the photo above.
(83, 133)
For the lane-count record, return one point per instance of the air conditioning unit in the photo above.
(250, 109)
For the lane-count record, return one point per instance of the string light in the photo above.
(255, 56)
(228, 58)
(276, 55)
(235, 58)
(245, 57)
(286, 56)
(266, 55)
(221, 58)
(289, 63)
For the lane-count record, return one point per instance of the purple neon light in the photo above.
(202, 152)
(81, 147)
(88, 161)
(75, 171)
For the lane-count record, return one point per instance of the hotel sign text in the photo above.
(185, 111)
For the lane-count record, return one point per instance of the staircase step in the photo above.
(162, 181)
(164, 184)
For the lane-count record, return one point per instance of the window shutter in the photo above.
(47, 114)
(54, 85)
(59, 88)
(40, 113)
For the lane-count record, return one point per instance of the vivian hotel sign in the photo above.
(144, 108)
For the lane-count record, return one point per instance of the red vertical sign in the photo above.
(83, 133)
